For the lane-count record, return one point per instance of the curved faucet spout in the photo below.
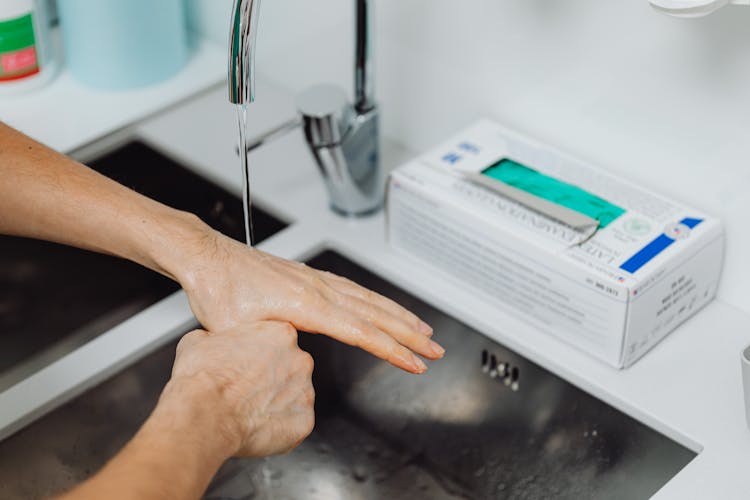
(343, 137)
(242, 39)
(242, 44)
(364, 98)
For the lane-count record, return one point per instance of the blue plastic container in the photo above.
(123, 44)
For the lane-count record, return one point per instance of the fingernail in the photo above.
(425, 328)
(419, 364)
(436, 348)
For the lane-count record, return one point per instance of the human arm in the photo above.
(46, 195)
(241, 392)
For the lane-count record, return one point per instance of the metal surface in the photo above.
(482, 423)
(54, 298)
(745, 362)
(582, 223)
(345, 149)
(243, 34)
(364, 80)
(271, 135)
(326, 115)
(342, 137)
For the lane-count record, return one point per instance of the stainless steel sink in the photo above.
(54, 299)
(482, 423)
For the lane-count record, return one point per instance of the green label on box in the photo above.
(554, 190)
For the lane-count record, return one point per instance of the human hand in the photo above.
(250, 387)
(243, 392)
(229, 284)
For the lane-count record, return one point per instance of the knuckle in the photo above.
(361, 339)
(314, 277)
(344, 279)
(181, 345)
(394, 350)
(369, 296)
(307, 362)
(328, 274)
(366, 337)
(188, 339)
(308, 425)
(371, 312)
(289, 330)
(301, 367)
(310, 397)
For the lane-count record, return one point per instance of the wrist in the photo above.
(175, 453)
(191, 414)
(177, 243)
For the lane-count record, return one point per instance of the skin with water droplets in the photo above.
(233, 284)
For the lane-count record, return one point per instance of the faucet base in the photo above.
(356, 215)
(346, 148)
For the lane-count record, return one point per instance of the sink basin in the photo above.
(54, 298)
(482, 423)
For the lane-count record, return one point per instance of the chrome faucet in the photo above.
(343, 137)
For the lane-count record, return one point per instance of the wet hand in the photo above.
(229, 284)
(253, 383)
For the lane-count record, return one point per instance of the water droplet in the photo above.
(479, 472)
(501, 487)
(595, 433)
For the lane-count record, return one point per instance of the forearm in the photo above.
(174, 455)
(46, 195)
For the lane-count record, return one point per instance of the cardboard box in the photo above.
(614, 289)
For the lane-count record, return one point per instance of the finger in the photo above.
(392, 325)
(190, 339)
(344, 326)
(275, 332)
(349, 287)
(278, 330)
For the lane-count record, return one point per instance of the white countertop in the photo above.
(688, 387)
(67, 114)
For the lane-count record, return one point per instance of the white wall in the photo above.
(661, 100)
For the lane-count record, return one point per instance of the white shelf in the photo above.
(67, 114)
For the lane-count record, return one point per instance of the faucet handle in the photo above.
(326, 113)
(345, 146)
